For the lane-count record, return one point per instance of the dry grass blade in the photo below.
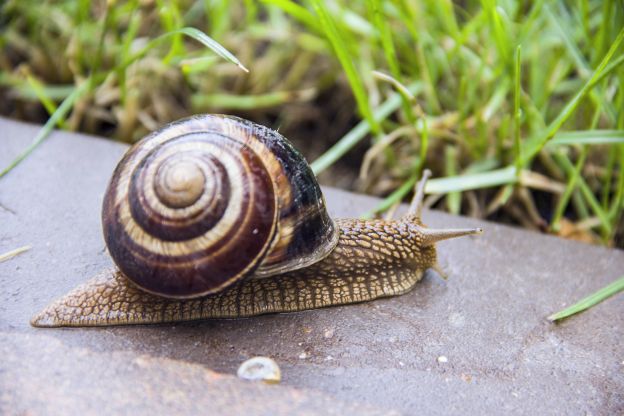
(379, 147)
(10, 254)
(540, 182)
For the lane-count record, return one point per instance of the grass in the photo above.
(590, 300)
(500, 99)
(57, 117)
(16, 252)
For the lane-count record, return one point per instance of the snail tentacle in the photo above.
(418, 201)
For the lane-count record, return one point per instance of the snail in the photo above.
(214, 216)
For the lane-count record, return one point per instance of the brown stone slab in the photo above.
(487, 321)
(66, 380)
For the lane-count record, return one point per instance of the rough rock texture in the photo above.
(478, 343)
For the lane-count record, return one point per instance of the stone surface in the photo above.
(477, 343)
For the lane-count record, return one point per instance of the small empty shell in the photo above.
(260, 368)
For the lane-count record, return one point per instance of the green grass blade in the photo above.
(499, 34)
(196, 34)
(390, 52)
(25, 90)
(585, 191)
(582, 67)
(125, 51)
(170, 19)
(385, 34)
(346, 60)
(617, 205)
(59, 115)
(474, 177)
(570, 187)
(297, 12)
(39, 90)
(571, 46)
(356, 134)
(209, 42)
(468, 182)
(411, 20)
(453, 199)
(588, 137)
(424, 143)
(590, 300)
(607, 179)
(517, 112)
(200, 64)
(535, 145)
(395, 196)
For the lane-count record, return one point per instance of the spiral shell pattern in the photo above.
(189, 211)
(209, 200)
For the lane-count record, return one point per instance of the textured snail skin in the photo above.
(373, 259)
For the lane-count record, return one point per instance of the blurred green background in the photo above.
(516, 106)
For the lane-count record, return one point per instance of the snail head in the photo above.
(428, 237)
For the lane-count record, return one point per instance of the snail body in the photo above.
(217, 217)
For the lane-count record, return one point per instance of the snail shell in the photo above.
(209, 200)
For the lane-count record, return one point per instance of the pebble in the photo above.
(260, 368)
(442, 359)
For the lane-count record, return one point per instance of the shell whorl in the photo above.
(206, 201)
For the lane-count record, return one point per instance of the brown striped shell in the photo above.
(209, 200)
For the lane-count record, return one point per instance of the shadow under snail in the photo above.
(217, 217)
